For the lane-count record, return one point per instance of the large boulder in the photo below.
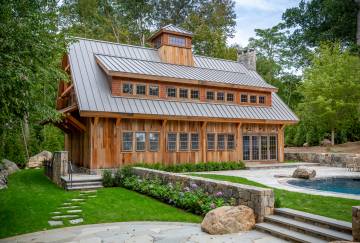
(9, 166)
(36, 161)
(3, 180)
(228, 219)
(304, 173)
(326, 142)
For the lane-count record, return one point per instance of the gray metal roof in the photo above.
(173, 28)
(94, 94)
(136, 66)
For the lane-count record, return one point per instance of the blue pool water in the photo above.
(340, 185)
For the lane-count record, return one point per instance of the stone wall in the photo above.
(356, 223)
(325, 159)
(58, 167)
(261, 200)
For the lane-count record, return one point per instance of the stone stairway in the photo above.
(299, 226)
(82, 182)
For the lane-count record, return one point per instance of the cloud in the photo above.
(263, 5)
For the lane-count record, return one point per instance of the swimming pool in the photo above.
(339, 185)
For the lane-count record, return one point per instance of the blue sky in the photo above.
(257, 14)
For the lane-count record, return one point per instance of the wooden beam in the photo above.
(239, 144)
(118, 122)
(67, 67)
(75, 122)
(184, 118)
(68, 109)
(281, 143)
(203, 142)
(66, 91)
(163, 140)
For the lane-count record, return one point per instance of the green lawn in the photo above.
(26, 204)
(333, 207)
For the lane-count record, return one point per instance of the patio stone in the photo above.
(69, 207)
(64, 216)
(76, 221)
(55, 213)
(66, 204)
(74, 211)
(55, 223)
(77, 199)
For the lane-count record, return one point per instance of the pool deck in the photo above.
(278, 177)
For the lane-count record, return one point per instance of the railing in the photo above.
(70, 172)
(48, 166)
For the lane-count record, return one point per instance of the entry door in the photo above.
(259, 147)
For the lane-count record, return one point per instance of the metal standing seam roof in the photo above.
(173, 28)
(136, 66)
(94, 94)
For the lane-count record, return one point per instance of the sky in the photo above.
(257, 14)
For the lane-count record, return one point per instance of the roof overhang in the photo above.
(159, 32)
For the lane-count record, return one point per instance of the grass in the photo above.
(333, 207)
(26, 205)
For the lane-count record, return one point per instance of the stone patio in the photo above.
(277, 178)
(142, 232)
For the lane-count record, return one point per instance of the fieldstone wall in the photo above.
(356, 223)
(261, 200)
(58, 166)
(325, 159)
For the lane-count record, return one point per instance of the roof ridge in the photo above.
(222, 59)
(222, 70)
(115, 43)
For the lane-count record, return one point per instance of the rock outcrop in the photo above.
(7, 167)
(36, 161)
(228, 219)
(303, 172)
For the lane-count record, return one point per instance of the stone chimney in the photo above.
(247, 56)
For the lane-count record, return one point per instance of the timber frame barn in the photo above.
(130, 104)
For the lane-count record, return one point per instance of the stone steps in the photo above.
(299, 226)
(82, 182)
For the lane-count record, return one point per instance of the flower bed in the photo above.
(191, 167)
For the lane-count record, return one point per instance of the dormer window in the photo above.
(177, 41)
(127, 88)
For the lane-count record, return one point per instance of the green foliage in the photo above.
(192, 198)
(108, 180)
(192, 167)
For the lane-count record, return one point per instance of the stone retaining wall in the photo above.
(325, 159)
(261, 200)
(356, 223)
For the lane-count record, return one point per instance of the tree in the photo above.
(331, 90)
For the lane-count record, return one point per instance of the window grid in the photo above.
(154, 90)
(262, 99)
(184, 142)
(127, 141)
(140, 141)
(183, 93)
(246, 147)
(210, 141)
(230, 97)
(141, 89)
(127, 88)
(171, 144)
(272, 147)
(221, 141)
(264, 153)
(177, 41)
(255, 148)
(220, 96)
(244, 98)
(154, 141)
(210, 95)
(230, 142)
(194, 141)
(195, 94)
(171, 92)
(253, 98)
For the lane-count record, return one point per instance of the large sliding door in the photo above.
(260, 147)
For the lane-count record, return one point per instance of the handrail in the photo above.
(70, 172)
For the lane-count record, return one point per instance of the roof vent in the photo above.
(247, 56)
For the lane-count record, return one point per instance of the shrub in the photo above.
(118, 178)
(192, 167)
(192, 198)
(108, 179)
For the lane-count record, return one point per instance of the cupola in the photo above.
(174, 45)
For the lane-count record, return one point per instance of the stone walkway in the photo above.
(140, 232)
(277, 178)
(70, 212)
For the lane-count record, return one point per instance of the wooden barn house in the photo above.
(130, 104)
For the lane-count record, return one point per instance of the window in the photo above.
(176, 40)
(255, 148)
(273, 147)
(171, 144)
(195, 94)
(246, 147)
(127, 141)
(230, 97)
(210, 141)
(230, 142)
(171, 92)
(154, 90)
(184, 141)
(127, 88)
(194, 141)
(262, 99)
(253, 98)
(141, 89)
(221, 141)
(154, 141)
(158, 42)
(140, 141)
(244, 98)
(220, 96)
(183, 93)
(210, 95)
(264, 150)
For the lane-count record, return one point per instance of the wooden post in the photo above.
(163, 141)
(239, 144)
(203, 142)
(118, 142)
(281, 143)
